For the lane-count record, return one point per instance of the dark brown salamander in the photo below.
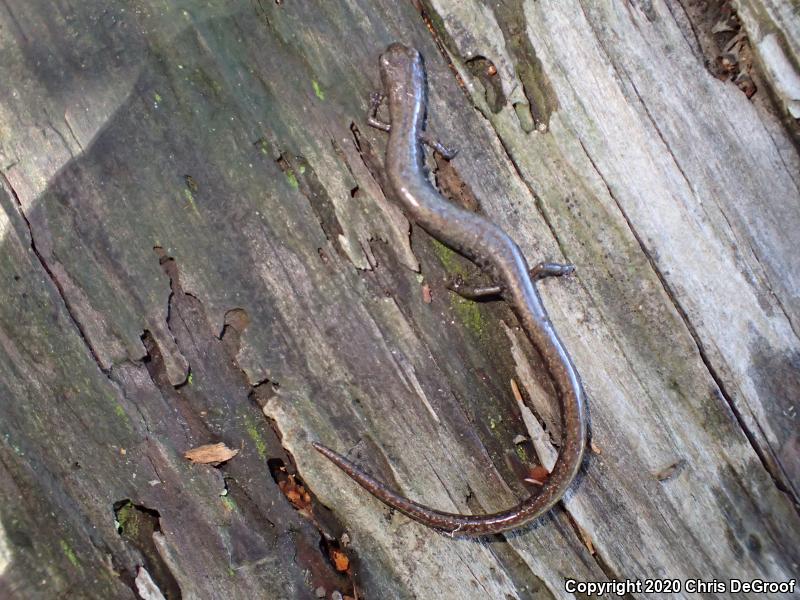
(488, 246)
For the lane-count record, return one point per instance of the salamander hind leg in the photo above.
(447, 152)
(472, 292)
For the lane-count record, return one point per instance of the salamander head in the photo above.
(397, 61)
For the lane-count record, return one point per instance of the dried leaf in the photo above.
(340, 560)
(537, 475)
(587, 539)
(296, 494)
(210, 454)
(426, 294)
(721, 26)
(739, 39)
(516, 392)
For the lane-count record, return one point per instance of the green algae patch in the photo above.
(189, 197)
(523, 456)
(468, 313)
(69, 553)
(292, 179)
(127, 521)
(228, 503)
(255, 435)
(263, 147)
(318, 92)
(120, 412)
(446, 256)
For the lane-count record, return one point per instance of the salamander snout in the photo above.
(398, 55)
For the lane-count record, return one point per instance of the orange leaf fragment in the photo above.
(587, 539)
(340, 560)
(210, 454)
(295, 493)
(427, 297)
(537, 475)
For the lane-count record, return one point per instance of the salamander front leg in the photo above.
(540, 271)
(546, 269)
(375, 101)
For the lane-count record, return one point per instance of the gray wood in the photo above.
(196, 248)
(773, 31)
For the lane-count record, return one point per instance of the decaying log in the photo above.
(198, 247)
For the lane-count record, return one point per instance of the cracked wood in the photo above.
(231, 138)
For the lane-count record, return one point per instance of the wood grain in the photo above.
(197, 249)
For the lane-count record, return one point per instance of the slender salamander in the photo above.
(488, 246)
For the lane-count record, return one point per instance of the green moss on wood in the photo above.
(228, 503)
(127, 520)
(318, 91)
(468, 314)
(69, 553)
(523, 456)
(252, 430)
(448, 258)
(292, 179)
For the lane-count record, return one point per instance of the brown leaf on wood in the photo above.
(340, 560)
(210, 454)
(296, 494)
(537, 475)
(426, 294)
(746, 84)
(587, 539)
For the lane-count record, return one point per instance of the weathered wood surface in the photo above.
(773, 29)
(193, 228)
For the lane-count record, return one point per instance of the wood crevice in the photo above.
(278, 461)
(764, 454)
(53, 278)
